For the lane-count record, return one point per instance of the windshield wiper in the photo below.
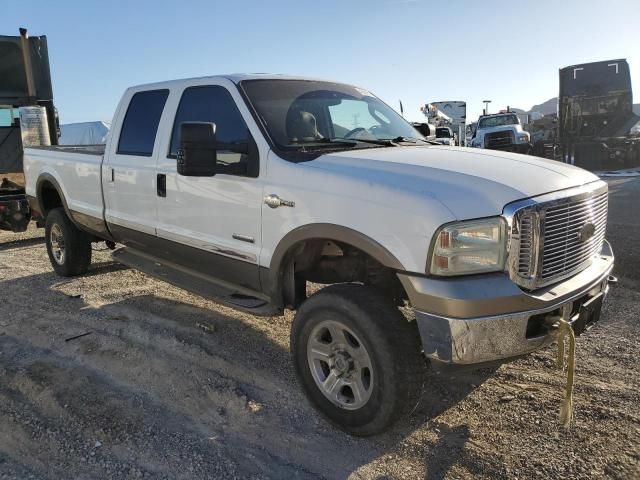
(413, 140)
(321, 142)
(384, 142)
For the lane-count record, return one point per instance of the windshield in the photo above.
(498, 121)
(443, 133)
(304, 113)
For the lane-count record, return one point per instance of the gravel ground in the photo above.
(168, 385)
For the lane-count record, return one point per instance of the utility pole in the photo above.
(486, 106)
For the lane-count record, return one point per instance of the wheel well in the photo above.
(49, 197)
(326, 261)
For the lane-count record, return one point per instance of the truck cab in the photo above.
(445, 136)
(501, 131)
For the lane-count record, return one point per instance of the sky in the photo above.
(417, 51)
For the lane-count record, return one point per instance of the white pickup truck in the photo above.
(248, 188)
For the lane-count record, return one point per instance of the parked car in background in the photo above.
(247, 188)
(444, 136)
(501, 131)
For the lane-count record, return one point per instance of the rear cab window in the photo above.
(140, 125)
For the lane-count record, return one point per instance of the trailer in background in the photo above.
(27, 118)
(596, 123)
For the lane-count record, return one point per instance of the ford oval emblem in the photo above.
(586, 232)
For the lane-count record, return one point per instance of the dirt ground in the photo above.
(168, 385)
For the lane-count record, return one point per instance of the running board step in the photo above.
(193, 282)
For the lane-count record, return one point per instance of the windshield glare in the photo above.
(302, 113)
(498, 121)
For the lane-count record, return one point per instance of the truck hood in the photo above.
(471, 183)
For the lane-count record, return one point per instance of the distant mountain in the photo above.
(546, 108)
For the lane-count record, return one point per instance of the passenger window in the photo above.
(140, 124)
(213, 103)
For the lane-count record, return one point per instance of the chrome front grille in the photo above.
(556, 235)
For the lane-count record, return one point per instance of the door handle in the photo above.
(274, 201)
(161, 185)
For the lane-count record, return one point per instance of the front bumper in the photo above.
(486, 318)
(523, 148)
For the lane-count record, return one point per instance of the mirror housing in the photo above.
(197, 154)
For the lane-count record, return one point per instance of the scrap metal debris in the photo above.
(77, 336)
(206, 327)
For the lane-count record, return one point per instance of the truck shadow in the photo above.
(170, 365)
(23, 243)
(450, 449)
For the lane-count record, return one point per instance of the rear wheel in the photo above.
(69, 248)
(358, 359)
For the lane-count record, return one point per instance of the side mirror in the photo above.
(197, 152)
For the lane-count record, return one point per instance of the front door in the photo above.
(213, 223)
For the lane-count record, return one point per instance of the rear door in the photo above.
(129, 173)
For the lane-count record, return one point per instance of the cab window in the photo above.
(140, 124)
(213, 103)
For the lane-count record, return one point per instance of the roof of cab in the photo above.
(234, 77)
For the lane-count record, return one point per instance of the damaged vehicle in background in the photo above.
(246, 188)
(27, 117)
(597, 128)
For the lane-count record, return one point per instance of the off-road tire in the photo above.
(77, 245)
(393, 344)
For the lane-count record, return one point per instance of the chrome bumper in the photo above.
(470, 339)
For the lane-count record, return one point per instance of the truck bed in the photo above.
(86, 149)
(74, 170)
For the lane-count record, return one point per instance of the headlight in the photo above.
(523, 138)
(475, 246)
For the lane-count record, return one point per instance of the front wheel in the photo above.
(69, 248)
(357, 358)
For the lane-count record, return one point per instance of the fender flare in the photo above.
(273, 278)
(48, 178)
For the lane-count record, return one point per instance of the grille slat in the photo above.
(551, 264)
(570, 231)
(559, 221)
(582, 204)
(575, 214)
(558, 247)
